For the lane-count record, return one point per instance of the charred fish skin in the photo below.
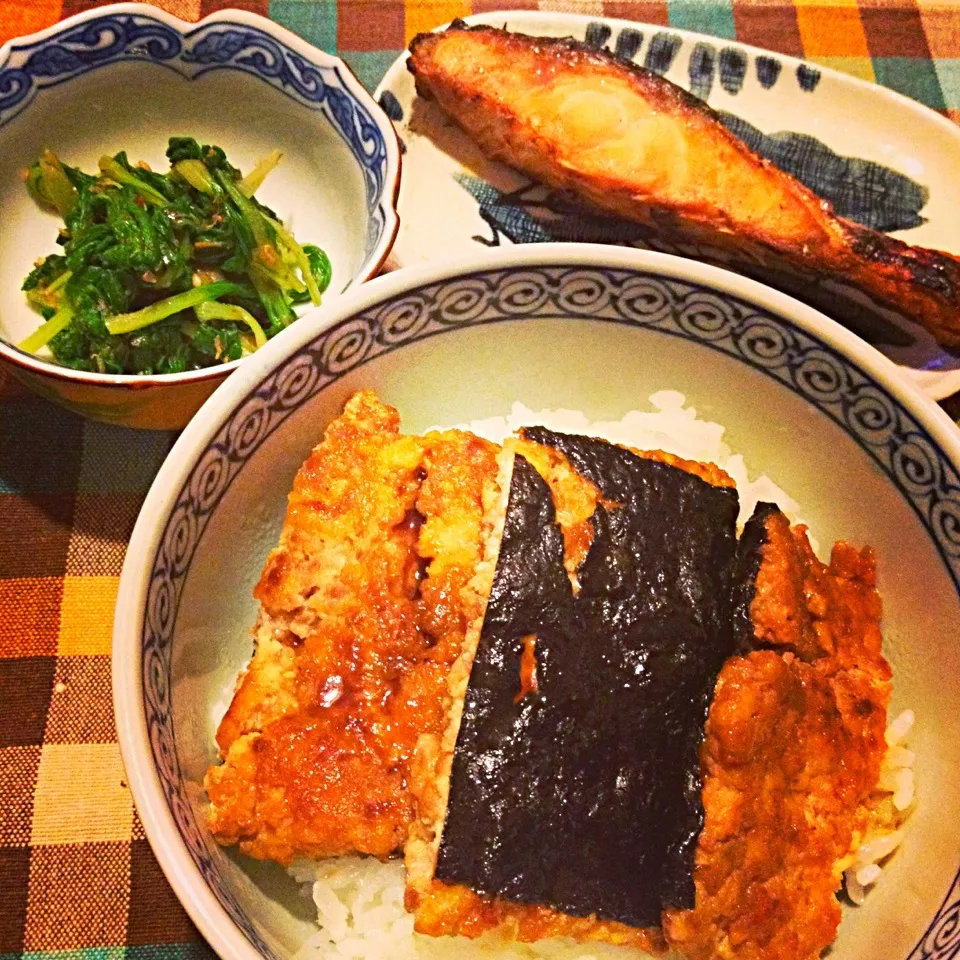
(638, 146)
(581, 792)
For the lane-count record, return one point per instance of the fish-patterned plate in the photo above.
(879, 158)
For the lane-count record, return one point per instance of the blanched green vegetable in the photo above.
(161, 273)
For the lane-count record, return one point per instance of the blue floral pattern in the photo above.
(32, 68)
(873, 418)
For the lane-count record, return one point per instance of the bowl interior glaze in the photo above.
(592, 329)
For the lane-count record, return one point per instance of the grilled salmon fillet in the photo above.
(361, 615)
(637, 146)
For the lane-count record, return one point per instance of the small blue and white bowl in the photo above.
(127, 77)
(598, 329)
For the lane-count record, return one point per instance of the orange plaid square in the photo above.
(831, 30)
(18, 18)
(29, 616)
(86, 617)
(941, 25)
(421, 17)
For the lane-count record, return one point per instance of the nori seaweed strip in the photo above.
(675, 604)
(500, 759)
(585, 796)
(749, 557)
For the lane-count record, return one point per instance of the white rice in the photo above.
(890, 806)
(670, 425)
(360, 911)
(359, 900)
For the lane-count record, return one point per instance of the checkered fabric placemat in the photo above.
(76, 872)
(912, 46)
(77, 878)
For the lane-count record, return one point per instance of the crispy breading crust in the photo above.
(793, 747)
(379, 583)
(640, 147)
(444, 909)
(361, 616)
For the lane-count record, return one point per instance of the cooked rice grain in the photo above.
(670, 425)
(890, 805)
(359, 904)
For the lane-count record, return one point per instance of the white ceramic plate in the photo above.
(451, 197)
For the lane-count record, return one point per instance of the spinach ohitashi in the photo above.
(164, 272)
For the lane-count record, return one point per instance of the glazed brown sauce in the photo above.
(528, 668)
(416, 569)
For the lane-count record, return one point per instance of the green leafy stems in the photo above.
(161, 273)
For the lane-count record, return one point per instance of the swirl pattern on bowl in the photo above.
(803, 364)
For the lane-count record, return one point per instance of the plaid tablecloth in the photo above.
(77, 878)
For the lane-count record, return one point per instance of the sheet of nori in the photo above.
(749, 556)
(585, 796)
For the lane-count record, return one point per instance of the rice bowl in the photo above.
(476, 373)
(360, 900)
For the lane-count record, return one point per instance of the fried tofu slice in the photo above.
(793, 747)
(637, 146)
(825, 615)
(361, 616)
(444, 909)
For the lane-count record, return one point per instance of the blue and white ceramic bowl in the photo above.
(127, 77)
(587, 327)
